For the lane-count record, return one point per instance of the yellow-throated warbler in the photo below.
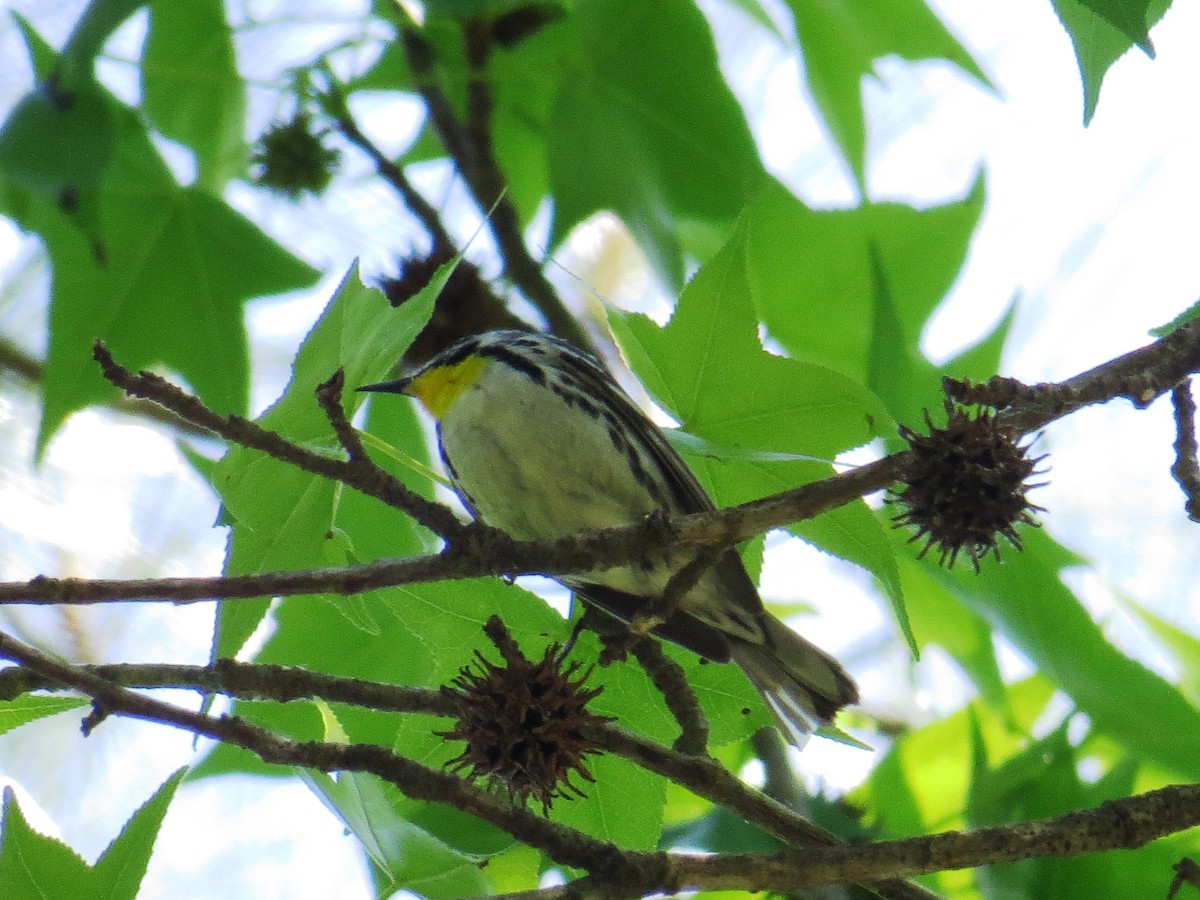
(540, 442)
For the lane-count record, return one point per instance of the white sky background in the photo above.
(1093, 231)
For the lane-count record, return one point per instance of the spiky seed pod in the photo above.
(523, 722)
(966, 486)
(292, 159)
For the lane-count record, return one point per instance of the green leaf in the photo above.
(41, 54)
(283, 516)
(922, 781)
(95, 26)
(1182, 319)
(1025, 599)
(57, 146)
(33, 865)
(166, 286)
(1183, 646)
(408, 857)
(191, 90)
(939, 618)
(623, 805)
(1099, 43)
(31, 707)
(648, 128)
(840, 42)
(120, 869)
(707, 367)
(852, 289)
(1038, 782)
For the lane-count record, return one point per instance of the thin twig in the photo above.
(669, 678)
(1186, 470)
(443, 244)
(16, 361)
(471, 148)
(358, 474)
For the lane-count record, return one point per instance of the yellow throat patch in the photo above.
(437, 389)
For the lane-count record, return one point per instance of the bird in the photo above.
(539, 441)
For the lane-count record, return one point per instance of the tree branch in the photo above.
(471, 147)
(475, 550)
(1186, 470)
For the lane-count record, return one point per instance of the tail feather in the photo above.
(802, 685)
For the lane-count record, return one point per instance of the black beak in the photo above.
(387, 387)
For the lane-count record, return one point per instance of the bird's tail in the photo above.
(802, 685)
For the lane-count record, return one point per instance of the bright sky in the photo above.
(1091, 231)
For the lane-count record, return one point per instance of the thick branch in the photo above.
(562, 844)
(702, 775)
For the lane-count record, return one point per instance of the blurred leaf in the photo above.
(939, 618)
(921, 783)
(57, 146)
(1038, 782)
(191, 90)
(648, 128)
(97, 23)
(1182, 319)
(1099, 42)
(284, 516)
(1183, 646)
(166, 286)
(31, 707)
(41, 54)
(408, 857)
(33, 865)
(1025, 599)
(840, 42)
(852, 289)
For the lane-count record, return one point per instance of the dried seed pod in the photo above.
(966, 486)
(524, 723)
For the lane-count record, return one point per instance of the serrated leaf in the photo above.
(33, 865)
(31, 707)
(120, 869)
(283, 516)
(648, 128)
(191, 90)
